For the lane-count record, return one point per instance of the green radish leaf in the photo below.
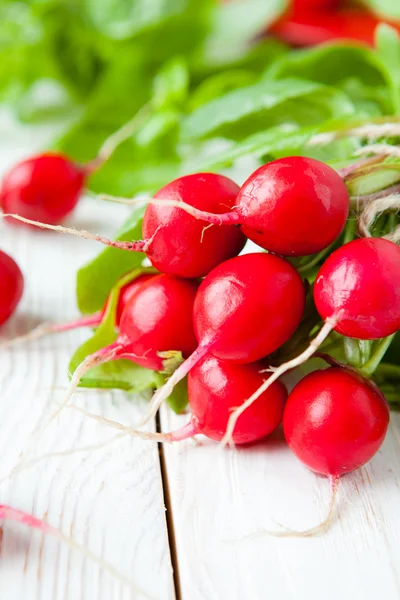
(161, 124)
(96, 279)
(171, 361)
(388, 50)
(265, 104)
(119, 19)
(236, 24)
(171, 84)
(178, 400)
(393, 353)
(330, 64)
(384, 8)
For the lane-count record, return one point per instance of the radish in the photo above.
(335, 421)
(158, 318)
(46, 187)
(93, 320)
(357, 293)
(361, 279)
(185, 246)
(215, 387)
(11, 286)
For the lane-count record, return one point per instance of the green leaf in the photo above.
(158, 125)
(119, 19)
(388, 50)
(384, 8)
(264, 104)
(236, 24)
(178, 400)
(330, 64)
(96, 279)
(171, 83)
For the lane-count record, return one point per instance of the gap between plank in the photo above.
(169, 515)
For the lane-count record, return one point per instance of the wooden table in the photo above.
(169, 518)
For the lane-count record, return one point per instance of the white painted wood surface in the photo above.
(113, 499)
(219, 496)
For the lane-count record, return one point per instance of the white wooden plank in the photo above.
(221, 495)
(111, 499)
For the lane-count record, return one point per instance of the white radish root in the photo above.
(50, 328)
(185, 432)
(12, 514)
(372, 211)
(91, 361)
(313, 531)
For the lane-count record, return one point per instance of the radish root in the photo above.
(185, 432)
(367, 198)
(278, 372)
(11, 514)
(313, 531)
(81, 450)
(374, 209)
(49, 328)
(103, 355)
(382, 149)
(370, 132)
(136, 246)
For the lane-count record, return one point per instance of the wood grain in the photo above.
(110, 499)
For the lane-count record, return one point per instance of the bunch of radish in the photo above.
(231, 316)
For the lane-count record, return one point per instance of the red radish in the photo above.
(245, 308)
(293, 206)
(357, 293)
(157, 318)
(11, 286)
(45, 188)
(361, 280)
(93, 320)
(311, 27)
(305, 5)
(185, 246)
(7, 513)
(215, 387)
(335, 420)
